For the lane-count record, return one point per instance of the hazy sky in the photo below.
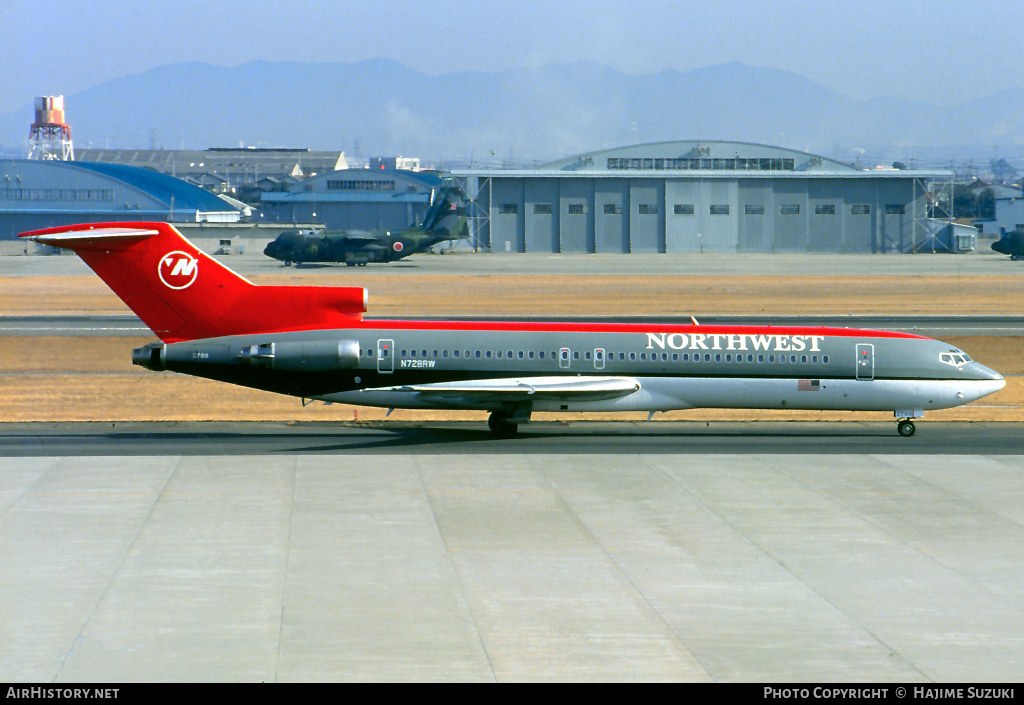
(931, 50)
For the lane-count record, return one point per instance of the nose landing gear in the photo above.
(905, 428)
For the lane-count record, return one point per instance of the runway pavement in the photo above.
(586, 551)
(469, 438)
(982, 262)
(127, 325)
(738, 552)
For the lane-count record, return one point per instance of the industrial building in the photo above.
(223, 168)
(38, 194)
(362, 199)
(1009, 207)
(706, 196)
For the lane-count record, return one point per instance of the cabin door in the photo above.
(563, 358)
(865, 361)
(385, 356)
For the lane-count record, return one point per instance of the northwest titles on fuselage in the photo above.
(734, 341)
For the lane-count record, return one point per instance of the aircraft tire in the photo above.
(500, 425)
(906, 428)
(287, 263)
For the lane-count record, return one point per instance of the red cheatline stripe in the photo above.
(547, 327)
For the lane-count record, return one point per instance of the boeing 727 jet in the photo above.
(313, 343)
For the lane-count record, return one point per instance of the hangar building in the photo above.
(701, 196)
(37, 194)
(361, 199)
(223, 167)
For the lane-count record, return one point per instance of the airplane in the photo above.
(313, 342)
(1011, 243)
(445, 220)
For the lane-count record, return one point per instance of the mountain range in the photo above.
(517, 116)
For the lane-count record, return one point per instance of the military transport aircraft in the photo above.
(1011, 243)
(313, 342)
(445, 220)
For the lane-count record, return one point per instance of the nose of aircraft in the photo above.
(980, 382)
(979, 371)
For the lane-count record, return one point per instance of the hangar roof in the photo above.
(700, 155)
(706, 159)
(107, 190)
(165, 189)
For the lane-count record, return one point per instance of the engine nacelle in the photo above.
(288, 355)
(303, 356)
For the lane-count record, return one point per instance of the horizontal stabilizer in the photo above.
(81, 238)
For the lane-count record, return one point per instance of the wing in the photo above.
(524, 389)
(360, 237)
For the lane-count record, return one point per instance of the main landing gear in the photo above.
(505, 422)
(501, 426)
(905, 428)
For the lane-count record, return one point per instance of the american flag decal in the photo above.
(809, 385)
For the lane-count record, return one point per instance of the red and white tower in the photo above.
(50, 137)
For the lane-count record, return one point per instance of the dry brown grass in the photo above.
(92, 378)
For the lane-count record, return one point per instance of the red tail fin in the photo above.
(181, 293)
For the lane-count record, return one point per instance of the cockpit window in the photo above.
(956, 359)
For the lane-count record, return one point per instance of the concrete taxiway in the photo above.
(691, 553)
(128, 325)
(763, 552)
(981, 262)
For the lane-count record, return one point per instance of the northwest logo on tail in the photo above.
(178, 270)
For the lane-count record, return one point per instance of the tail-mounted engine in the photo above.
(288, 355)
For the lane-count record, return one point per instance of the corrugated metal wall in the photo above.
(619, 215)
